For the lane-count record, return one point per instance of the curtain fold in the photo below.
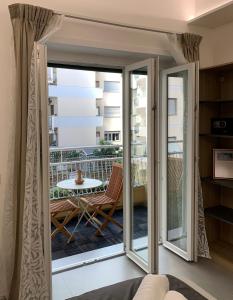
(28, 275)
(190, 47)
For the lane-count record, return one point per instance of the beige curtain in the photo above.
(190, 47)
(23, 245)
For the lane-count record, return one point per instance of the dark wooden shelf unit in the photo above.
(221, 213)
(216, 135)
(222, 182)
(216, 101)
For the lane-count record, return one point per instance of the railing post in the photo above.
(61, 152)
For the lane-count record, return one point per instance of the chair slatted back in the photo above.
(115, 185)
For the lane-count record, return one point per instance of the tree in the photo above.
(108, 151)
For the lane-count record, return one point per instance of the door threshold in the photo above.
(86, 258)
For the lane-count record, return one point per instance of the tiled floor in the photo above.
(212, 277)
(81, 280)
(90, 256)
(86, 240)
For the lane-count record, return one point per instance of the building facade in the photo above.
(84, 107)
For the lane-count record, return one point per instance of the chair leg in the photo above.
(92, 216)
(108, 219)
(60, 227)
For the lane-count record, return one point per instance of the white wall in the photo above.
(74, 137)
(217, 45)
(222, 41)
(69, 77)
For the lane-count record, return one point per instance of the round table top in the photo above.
(69, 184)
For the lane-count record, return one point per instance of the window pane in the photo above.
(177, 160)
(172, 106)
(138, 160)
(112, 112)
(112, 135)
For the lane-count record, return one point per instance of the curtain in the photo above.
(190, 47)
(23, 246)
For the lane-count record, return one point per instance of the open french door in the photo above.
(178, 160)
(141, 163)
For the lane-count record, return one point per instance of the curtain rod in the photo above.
(115, 24)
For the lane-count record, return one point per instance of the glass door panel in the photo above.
(139, 166)
(178, 159)
(139, 161)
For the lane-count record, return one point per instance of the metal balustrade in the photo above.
(94, 162)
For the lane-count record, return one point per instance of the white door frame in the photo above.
(190, 194)
(152, 187)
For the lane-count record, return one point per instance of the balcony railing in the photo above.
(94, 162)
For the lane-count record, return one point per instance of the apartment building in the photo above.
(84, 107)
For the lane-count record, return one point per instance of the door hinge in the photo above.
(154, 107)
(195, 107)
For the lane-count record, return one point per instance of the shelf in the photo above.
(222, 182)
(217, 101)
(216, 135)
(221, 213)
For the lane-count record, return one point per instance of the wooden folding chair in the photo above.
(110, 198)
(60, 207)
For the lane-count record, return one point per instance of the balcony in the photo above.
(96, 162)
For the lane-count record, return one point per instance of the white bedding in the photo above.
(156, 287)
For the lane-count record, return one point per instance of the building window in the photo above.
(171, 139)
(52, 75)
(98, 110)
(112, 111)
(52, 110)
(97, 84)
(172, 106)
(53, 138)
(112, 86)
(97, 137)
(112, 136)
